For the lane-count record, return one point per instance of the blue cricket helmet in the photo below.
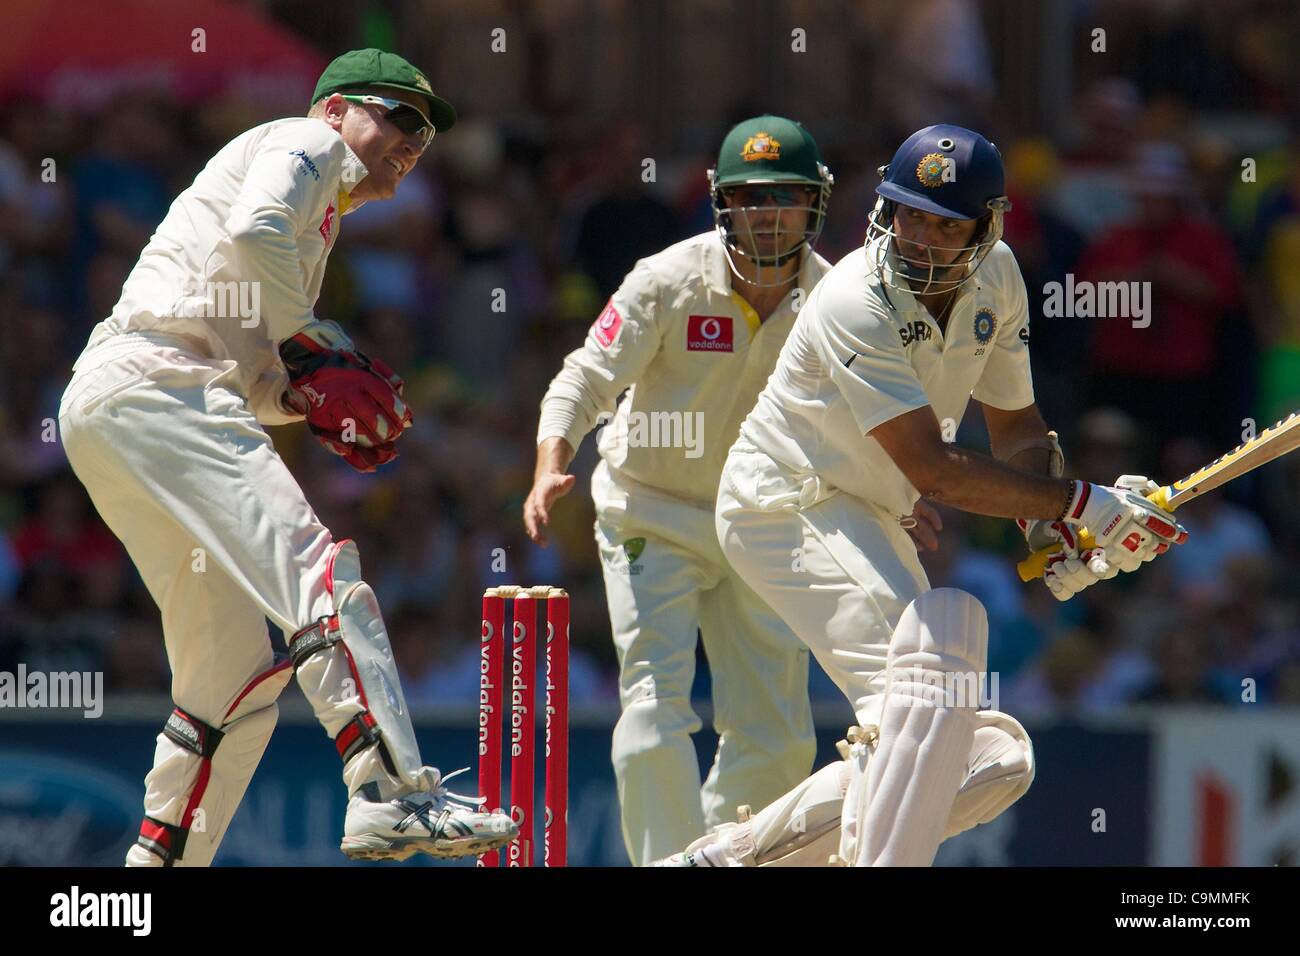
(947, 171)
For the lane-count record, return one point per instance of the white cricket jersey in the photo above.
(692, 355)
(236, 265)
(861, 354)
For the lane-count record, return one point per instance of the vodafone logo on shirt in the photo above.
(709, 333)
(607, 325)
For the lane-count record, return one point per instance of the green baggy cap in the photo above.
(768, 149)
(371, 67)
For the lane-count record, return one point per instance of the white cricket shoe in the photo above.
(435, 821)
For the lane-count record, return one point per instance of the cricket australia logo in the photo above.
(986, 323)
(633, 547)
(762, 145)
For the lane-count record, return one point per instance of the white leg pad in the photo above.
(818, 851)
(904, 783)
(346, 670)
(782, 832)
(803, 828)
(1001, 770)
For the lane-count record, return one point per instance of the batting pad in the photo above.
(800, 828)
(1002, 768)
(899, 800)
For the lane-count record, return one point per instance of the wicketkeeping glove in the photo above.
(353, 404)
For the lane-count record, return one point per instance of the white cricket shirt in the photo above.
(861, 354)
(692, 355)
(236, 265)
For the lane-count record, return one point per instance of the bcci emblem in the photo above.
(934, 170)
(986, 323)
(760, 146)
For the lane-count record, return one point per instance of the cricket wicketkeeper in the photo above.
(213, 338)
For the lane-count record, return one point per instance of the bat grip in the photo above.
(1034, 565)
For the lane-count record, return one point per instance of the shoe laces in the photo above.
(435, 788)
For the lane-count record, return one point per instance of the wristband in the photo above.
(1076, 499)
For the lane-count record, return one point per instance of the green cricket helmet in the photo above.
(776, 152)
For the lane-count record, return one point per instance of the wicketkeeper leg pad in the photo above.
(200, 774)
(906, 772)
(345, 666)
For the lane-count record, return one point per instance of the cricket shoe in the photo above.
(435, 821)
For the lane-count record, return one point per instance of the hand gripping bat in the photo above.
(1273, 442)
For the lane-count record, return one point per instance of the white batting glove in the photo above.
(1151, 546)
(1042, 533)
(1068, 574)
(1068, 571)
(1121, 517)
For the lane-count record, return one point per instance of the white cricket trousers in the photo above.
(181, 471)
(839, 570)
(668, 586)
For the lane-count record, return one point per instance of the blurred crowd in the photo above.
(500, 250)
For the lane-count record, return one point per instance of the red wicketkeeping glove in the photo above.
(353, 404)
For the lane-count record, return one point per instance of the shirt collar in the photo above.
(353, 170)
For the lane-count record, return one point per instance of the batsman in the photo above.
(854, 426)
(691, 335)
(213, 338)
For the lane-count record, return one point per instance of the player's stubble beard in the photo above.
(921, 271)
(756, 264)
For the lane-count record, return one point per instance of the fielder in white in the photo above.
(214, 337)
(692, 335)
(848, 433)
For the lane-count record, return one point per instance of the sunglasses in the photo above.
(404, 116)
(770, 196)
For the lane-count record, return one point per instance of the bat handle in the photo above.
(1034, 565)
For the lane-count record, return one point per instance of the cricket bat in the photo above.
(1273, 442)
